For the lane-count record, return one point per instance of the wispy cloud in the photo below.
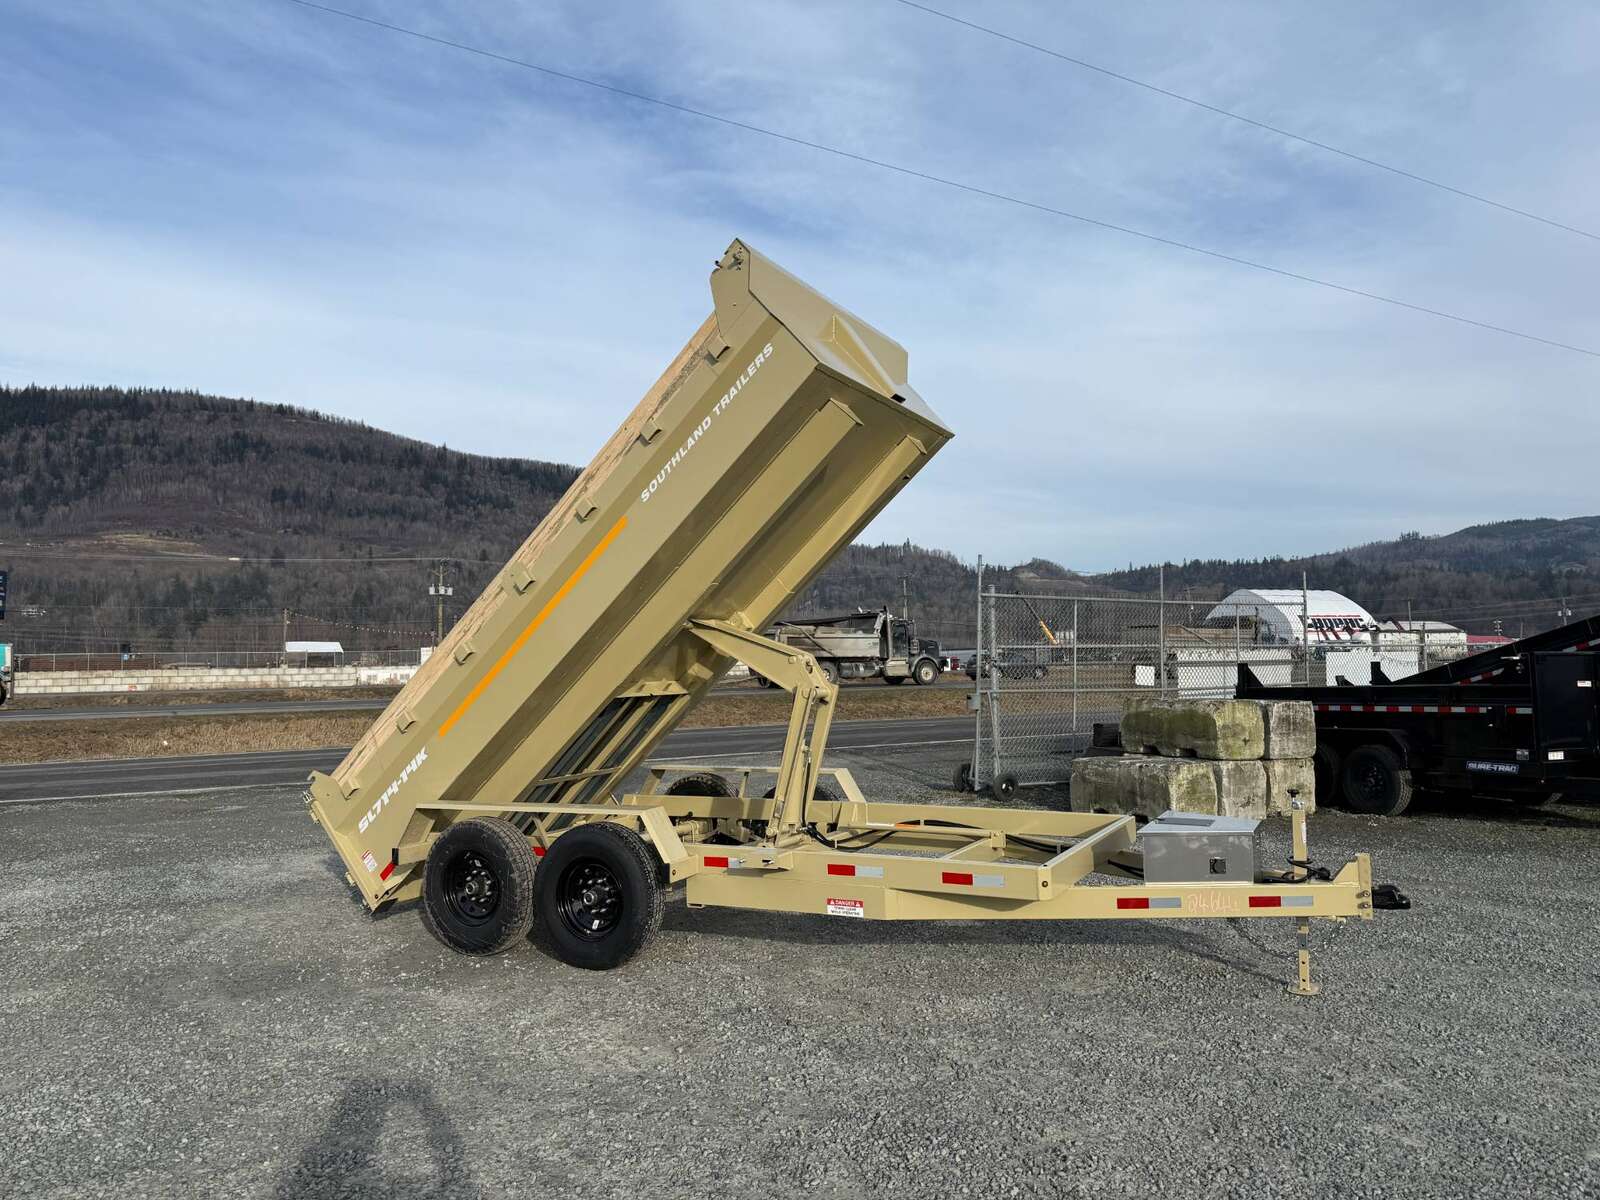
(259, 200)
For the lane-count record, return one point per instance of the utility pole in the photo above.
(285, 658)
(439, 590)
(905, 583)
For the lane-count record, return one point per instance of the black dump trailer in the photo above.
(1519, 721)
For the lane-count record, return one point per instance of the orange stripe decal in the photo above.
(550, 606)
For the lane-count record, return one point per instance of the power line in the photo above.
(972, 189)
(1234, 116)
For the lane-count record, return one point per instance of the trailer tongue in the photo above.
(492, 788)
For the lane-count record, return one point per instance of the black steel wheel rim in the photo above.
(1374, 783)
(589, 899)
(471, 888)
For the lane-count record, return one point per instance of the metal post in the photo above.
(977, 682)
(1305, 630)
(1074, 666)
(1161, 629)
(994, 693)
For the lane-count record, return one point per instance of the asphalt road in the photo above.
(193, 1005)
(124, 776)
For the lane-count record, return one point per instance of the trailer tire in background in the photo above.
(830, 670)
(1373, 782)
(1326, 763)
(477, 886)
(700, 783)
(926, 672)
(1005, 787)
(597, 897)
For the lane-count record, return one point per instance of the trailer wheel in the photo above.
(1325, 765)
(1005, 787)
(1375, 782)
(927, 672)
(477, 886)
(597, 897)
(700, 783)
(963, 777)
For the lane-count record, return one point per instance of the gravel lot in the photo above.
(193, 1005)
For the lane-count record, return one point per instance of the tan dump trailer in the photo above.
(492, 788)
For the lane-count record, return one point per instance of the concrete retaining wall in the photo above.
(200, 679)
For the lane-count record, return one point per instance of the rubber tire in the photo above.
(963, 777)
(830, 671)
(1325, 766)
(1005, 787)
(1040, 672)
(508, 855)
(700, 783)
(1393, 800)
(636, 869)
(926, 673)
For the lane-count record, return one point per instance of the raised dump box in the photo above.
(782, 427)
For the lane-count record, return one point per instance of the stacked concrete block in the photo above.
(1240, 758)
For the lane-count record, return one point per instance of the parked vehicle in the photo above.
(1014, 662)
(1519, 721)
(864, 644)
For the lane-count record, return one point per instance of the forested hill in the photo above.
(1508, 569)
(247, 479)
(99, 485)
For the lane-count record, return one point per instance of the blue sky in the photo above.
(255, 199)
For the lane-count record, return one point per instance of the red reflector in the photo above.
(1133, 902)
(1266, 901)
(538, 851)
(716, 860)
(386, 872)
(958, 877)
(841, 868)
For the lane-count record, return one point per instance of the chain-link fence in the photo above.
(27, 661)
(1048, 669)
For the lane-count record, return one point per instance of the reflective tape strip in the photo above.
(1301, 901)
(967, 879)
(722, 860)
(578, 573)
(1298, 901)
(387, 871)
(1469, 709)
(852, 869)
(1149, 902)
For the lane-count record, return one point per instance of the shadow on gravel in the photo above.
(823, 931)
(1555, 815)
(341, 1163)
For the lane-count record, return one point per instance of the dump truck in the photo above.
(496, 790)
(1519, 722)
(865, 644)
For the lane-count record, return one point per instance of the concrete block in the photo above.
(1210, 729)
(1291, 728)
(1289, 779)
(1147, 786)
(1241, 788)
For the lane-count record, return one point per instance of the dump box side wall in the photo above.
(763, 449)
